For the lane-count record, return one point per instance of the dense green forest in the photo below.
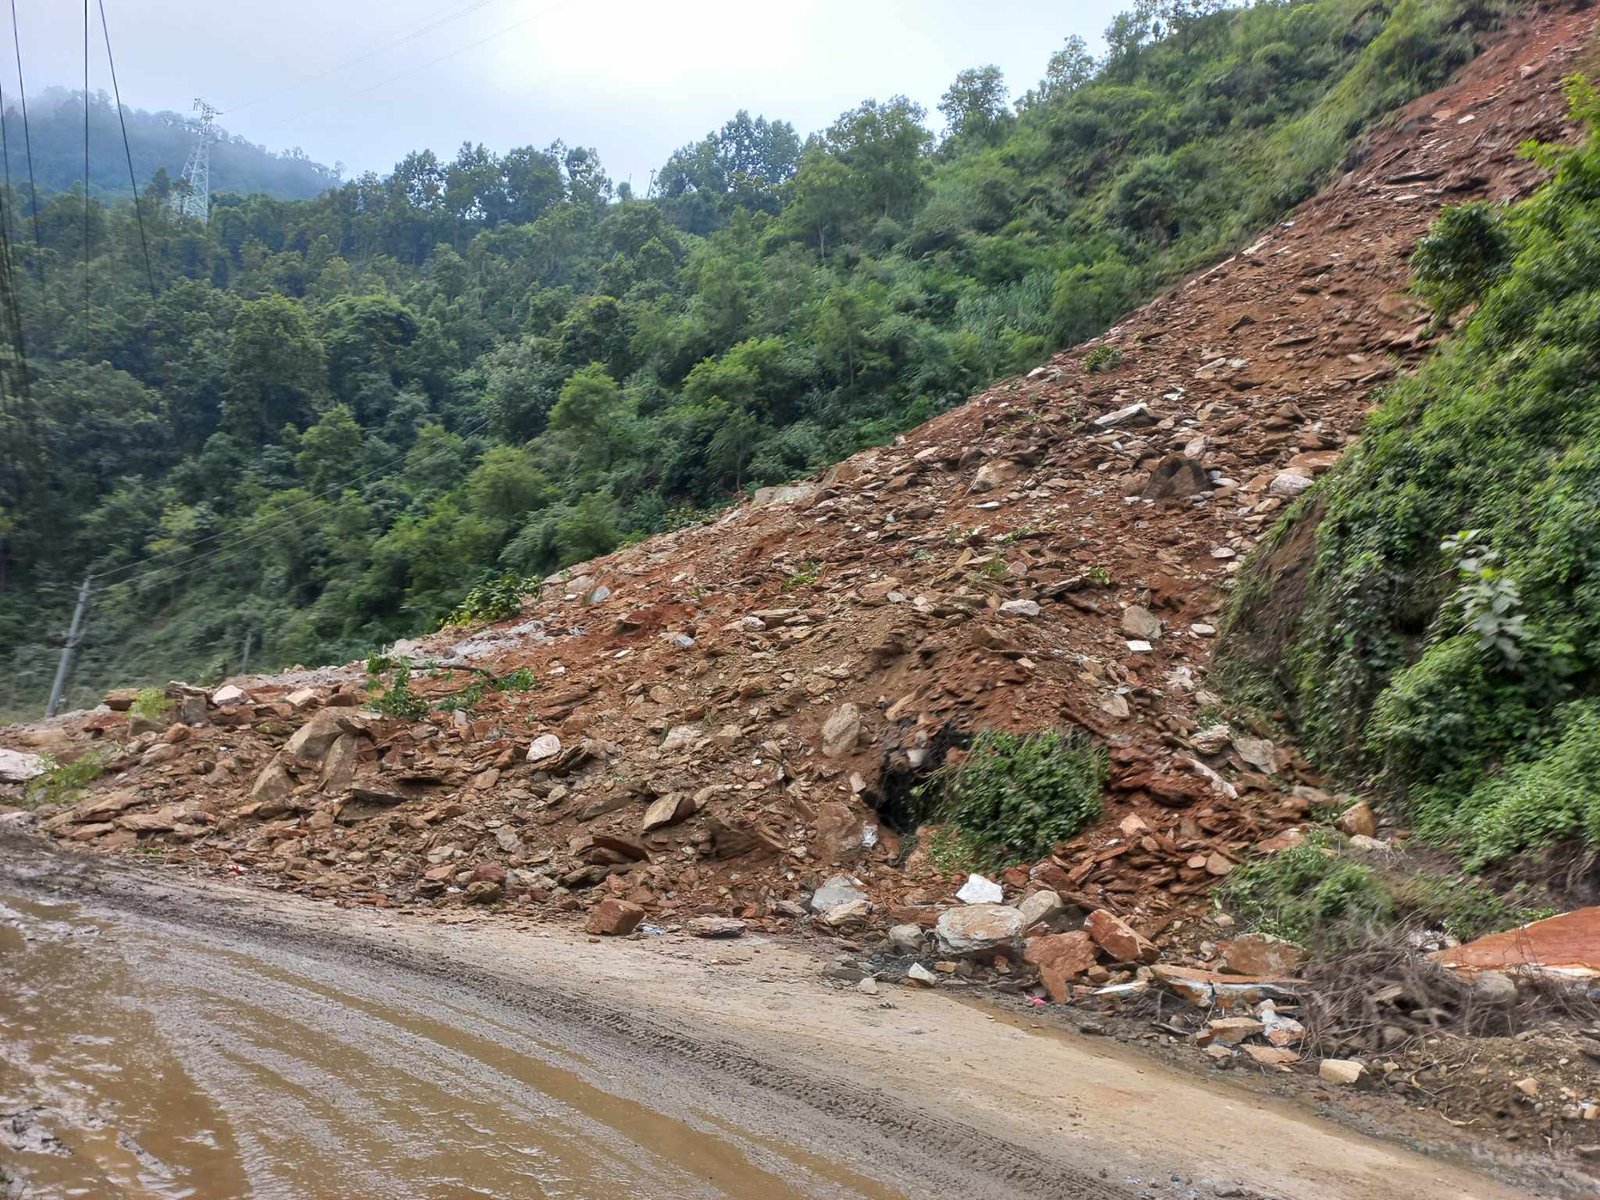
(323, 421)
(159, 142)
(1446, 641)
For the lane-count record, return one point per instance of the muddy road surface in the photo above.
(165, 1039)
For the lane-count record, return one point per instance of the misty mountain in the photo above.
(158, 140)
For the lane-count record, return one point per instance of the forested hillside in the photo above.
(160, 143)
(333, 417)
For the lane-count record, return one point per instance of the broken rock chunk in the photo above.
(978, 890)
(977, 929)
(1121, 942)
(614, 917)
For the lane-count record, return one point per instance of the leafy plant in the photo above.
(1102, 359)
(152, 703)
(805, 576)
(1325, 900)
(1019, 794)
(62, 781)
(398, 699)
(494, 599)
(1457, 260)
(1490, 600)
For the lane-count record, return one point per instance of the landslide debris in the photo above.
(733, 720)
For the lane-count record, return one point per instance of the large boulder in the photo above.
(978, 929)
(313, 740)
(614, 918)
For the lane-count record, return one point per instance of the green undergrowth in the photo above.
(1446, 641)
(1321, 897)
(62, 782)
(151, 702)
(397, 698)
(1016, 795)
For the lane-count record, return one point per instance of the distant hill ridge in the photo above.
(159, 141)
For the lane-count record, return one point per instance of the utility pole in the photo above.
(195, 201)
(68, 650)
(244, 658)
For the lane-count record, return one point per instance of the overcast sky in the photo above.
(633, 78)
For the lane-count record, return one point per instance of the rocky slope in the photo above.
(725, 716)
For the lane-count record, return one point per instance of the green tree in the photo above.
(275, 371)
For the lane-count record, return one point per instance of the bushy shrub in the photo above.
(1325, 900)
(1455, 262)
(1017, 795)
(151, 702)
(494, 599)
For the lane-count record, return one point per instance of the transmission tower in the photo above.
(195, 200)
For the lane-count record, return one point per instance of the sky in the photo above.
(363, 82)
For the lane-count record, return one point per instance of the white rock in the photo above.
(977, 928)
(1134, 414)
(18, 767)
(1343, 1071)
(1139, 647)
(228, 695)
(1288, 483)
(545, 747)
(1043, 905)
(836, 892)
(978, 890)
(1020, 608)
(906, 939)
(842, 731)
(1259, 753)
(1140, 622)
(680, 737)
(917, 973)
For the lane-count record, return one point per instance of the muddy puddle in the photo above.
(147, 1061)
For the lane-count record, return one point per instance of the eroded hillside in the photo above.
(720, 718)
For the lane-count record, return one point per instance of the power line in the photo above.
(86, 174)
(425, 28)
(27, 137)
(431, 63)
(127, 149)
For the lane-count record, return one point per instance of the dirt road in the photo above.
(213, 1042)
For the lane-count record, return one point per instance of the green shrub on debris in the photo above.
(152, 702)
(1327, 901)
(62, 781)
(1462, 669)
(1017, 794)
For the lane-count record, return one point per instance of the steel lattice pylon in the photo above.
(195, 200)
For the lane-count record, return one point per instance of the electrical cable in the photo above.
(431, 63)
(85, 174)
(127, 149)
(336, 68)
(27, 137)
(5, 152)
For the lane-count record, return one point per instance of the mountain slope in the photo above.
(159, 141)
(757, 683)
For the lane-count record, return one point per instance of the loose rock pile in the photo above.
(725, 717)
